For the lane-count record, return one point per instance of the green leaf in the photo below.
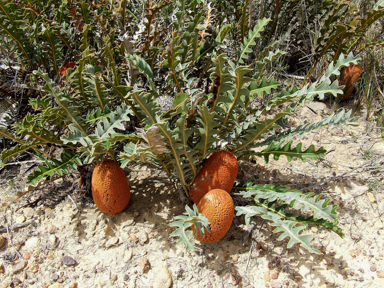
(224, 30)
(250, 40)
(183, 222)
(288, 229)
(143, 67)
(277, 150)
(67, 159)
(264, 86)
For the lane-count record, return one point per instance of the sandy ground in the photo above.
(65, 242)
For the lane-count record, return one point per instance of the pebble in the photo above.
(2, 269)
(55, 285)
(68, 261)
(373, 268)
(235, 258)
(50, 255)
(20, 219)
(267, 276)
(49, 212)
(314, 229)
(128, 254)
(134, 238)
(352, 253)
(144, 265)
(143, 237)
(28, 212)
(27, 255)
(263, 245)
(163, 278)
(33, 268)
(380, 274)
(3, 240)
(19, 266)
(114, 278)
(371, 198)
(73, 285)
(275, 274)
(51, 228)
(112, 242)
(32, 243)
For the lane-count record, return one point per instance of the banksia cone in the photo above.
(110, 188)
(218, 172)
(348, 76)
(217, 205)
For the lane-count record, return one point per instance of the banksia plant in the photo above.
(222, 117)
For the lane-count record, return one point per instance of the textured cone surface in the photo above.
(110, 188)
(218, 172)
(217, 205)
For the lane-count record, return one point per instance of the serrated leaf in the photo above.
(277, 150)
(250, 40)
(289, 230)
(67, 159)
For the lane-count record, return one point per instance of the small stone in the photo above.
(73, 285)
(235, 258)
(3, 240)
(19, 266)
(143, 237)
(51, 229)
(136, 213)
(263, 245)
(68, 261)
(267, 276)
(126, 277)
(49, 212)
(114, 278)
(328, 260)
(50, 255)
(352, 253)
(163, 278)
(371, 198)
(373, 268)
(28, 212)
(361, 270)
(33, 268)
(55, 285)
(112, 242)
(102, 283)
(380, 274)
(128, 254)
(32, 243)
(144, 265)
(20, 219)
(274, 276)
(134, 238)
(27, 255)
(2, 269)
(314, 229)
(53, 240)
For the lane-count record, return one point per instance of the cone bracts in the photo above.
(218, 172)
(110, 188)
(217, 205)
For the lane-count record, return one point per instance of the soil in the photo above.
(55, 237)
